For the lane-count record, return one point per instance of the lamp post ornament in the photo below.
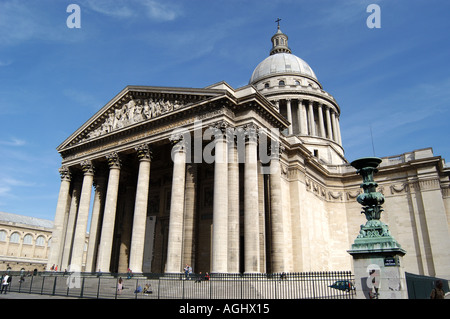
(374, 233)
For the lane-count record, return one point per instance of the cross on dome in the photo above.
(278, 22)
(279, 41)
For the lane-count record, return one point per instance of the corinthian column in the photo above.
(329, 128)
(312, 124)
(82, 218)
(94, 232)
(321, 121)
(233, 207)
(140, 209)
(302, 129)
(62, 208)
(289, 116)
(70, 224)
(175, 240)
(277, 222)
(190, 215)
(109, 216)
(333, 124)
(251, 216)
(220, 203)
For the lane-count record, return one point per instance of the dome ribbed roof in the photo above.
(280, 63)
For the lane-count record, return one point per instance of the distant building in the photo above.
(24, 242)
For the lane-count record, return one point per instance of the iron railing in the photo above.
(305, 285)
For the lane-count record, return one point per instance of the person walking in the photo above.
(437, 292)
(5, 283)
(186, 271)
(120, 286)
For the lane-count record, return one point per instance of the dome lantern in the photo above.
(279, 42)
(281, 61)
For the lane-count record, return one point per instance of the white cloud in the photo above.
(15, 182)
(17, 23)
(155, 10)
(160, 11)
(13, 142)
(116, 8)
(4, 191)
(22, 21)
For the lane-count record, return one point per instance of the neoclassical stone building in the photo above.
(24, 242)
(230, 180)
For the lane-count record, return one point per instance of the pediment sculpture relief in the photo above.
(135, 111)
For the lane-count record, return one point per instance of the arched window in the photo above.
(266, 85)
(2, 235)
(40, 241)
(28, 239)
(297, 82)
(15, 238)
(281, 83)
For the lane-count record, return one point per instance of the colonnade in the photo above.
(74, 202)
(72, 214)
(313, 118)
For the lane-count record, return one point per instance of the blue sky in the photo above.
(394, 79)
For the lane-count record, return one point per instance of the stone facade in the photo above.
(24, 242)
(230, 180)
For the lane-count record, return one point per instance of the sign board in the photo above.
(391, 261)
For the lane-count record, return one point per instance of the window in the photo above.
(15, 238)
(28, 239)
(2, 235)
(266, 85)
(281, 83)
(40, 241)
(297, 82)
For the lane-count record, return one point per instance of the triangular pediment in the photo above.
(137, 105)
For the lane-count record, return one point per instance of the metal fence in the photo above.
(420, 286)
(310, 285)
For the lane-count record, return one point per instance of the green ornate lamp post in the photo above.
(374, 235)
(376, 254)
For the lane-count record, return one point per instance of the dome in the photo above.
(281, 63)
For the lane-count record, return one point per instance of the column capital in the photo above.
(176, 138)
(114, 160)
(251, 132)
(144, 152)
(87, 167)
(220, 125)
(221, 129)
(65, 173)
